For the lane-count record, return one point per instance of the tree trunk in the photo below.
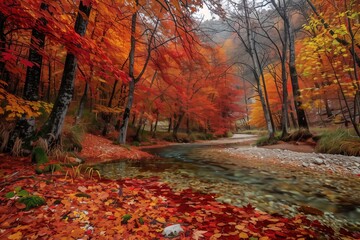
(2, 42)
(284, 107)
(49, 82)
(140, 124)
(170, 124)
(188, 130)
(126, 115)
(177, 126)
(125, 123)
(293, 120)
(33, 74)
(53, 126)
(156, 124)
(302, 121)
(251, 48)
(329, 113)
(83, 101)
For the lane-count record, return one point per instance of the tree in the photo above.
(32, 80)
(53, 126)
(239, 20)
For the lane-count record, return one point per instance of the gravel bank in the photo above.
(310, 160)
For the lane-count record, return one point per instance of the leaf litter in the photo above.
(91, 208)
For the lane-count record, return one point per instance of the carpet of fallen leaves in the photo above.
(98, 149)
(86, 208)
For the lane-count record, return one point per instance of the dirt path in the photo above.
(301, 156)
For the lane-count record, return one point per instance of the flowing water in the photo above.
(271, 188)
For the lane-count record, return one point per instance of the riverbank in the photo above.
(291, 155)
(97, 149)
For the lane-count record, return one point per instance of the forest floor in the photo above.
(80, 205)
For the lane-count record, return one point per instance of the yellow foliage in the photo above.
(13, 107)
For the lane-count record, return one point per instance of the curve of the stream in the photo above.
(271, 189)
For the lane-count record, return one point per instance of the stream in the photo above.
(272, 189)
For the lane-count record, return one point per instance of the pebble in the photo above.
(318, 161)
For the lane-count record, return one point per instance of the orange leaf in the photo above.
(243, 235)
(15, 236)
(215, 236)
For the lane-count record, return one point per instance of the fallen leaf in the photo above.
(215, 236)
(82, 189)
(197, 234)
(243, 235)
(240, 227)
(15, 236)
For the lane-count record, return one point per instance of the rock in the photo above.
(304, 164)
(172, 230)
(318, 161)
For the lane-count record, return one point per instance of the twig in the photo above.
(18, 179)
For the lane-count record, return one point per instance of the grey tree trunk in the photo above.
(83, 101)
(53, 126)
(251, 50)
(301, 117)
(284, 109)
(126, 115)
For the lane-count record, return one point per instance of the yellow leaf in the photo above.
(243, 235)
(161, 219)
(17, 235)
(240, 227)
(215, 236)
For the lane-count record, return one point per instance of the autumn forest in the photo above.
(87, 83)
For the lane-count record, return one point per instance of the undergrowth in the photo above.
(339, 142)
(299, 135)
(265, 140)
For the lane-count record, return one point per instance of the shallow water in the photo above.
(270, 188)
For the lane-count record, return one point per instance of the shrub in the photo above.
(299, 136)
(265, 140)
(229, 134)
(339, 142)
(72, 137)
(39, 156)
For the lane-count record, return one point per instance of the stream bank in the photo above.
(268, 179)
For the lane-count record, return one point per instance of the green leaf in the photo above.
(23, 193)
(17, 189)
(32, 201)
(10, 195)
(126, 218)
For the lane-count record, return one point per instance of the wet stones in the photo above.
(318, 161)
